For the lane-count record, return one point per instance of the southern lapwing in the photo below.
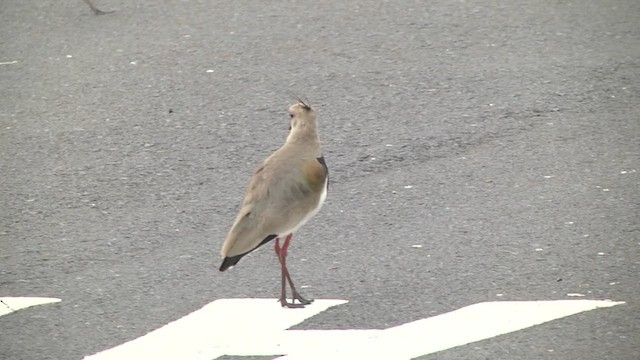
(286, 190)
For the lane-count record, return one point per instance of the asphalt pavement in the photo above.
(478, 151)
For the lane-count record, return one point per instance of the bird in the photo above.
(285, 191)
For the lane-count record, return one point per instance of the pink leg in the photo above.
(283, 289)
(282, 256)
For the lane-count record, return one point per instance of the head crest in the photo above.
(306, 104)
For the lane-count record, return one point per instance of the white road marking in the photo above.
(246, 327)
(460, 327)
(11, 304)
(219, 327)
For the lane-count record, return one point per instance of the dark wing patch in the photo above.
(266, 240)
(326, 168)
(324, 164)
(230, 261)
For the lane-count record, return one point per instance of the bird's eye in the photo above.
(291, 116)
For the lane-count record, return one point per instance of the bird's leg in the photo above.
(294, 293)
(282, 254)
(283, 291)
(95, 9)
(277, 248)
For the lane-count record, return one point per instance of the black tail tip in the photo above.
(229, 262)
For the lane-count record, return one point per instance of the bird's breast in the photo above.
(310, 214)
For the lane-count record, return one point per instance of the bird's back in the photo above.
(284, 192)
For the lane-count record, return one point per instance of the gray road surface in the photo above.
(502, 136)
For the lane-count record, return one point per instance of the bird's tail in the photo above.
(230, 261)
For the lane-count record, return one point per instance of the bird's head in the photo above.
(303, 120)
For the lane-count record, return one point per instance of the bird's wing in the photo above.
(281, 193)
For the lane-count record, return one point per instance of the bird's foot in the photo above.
(291, 305)
(302, 300)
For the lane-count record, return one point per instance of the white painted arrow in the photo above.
(248, 327)
(11, 304)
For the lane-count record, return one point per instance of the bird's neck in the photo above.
(306, 136)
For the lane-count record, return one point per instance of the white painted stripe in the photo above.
(246, 327)
(11, 304)
(460, 327)
(220, 327)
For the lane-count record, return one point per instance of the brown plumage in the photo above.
(288, 188)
